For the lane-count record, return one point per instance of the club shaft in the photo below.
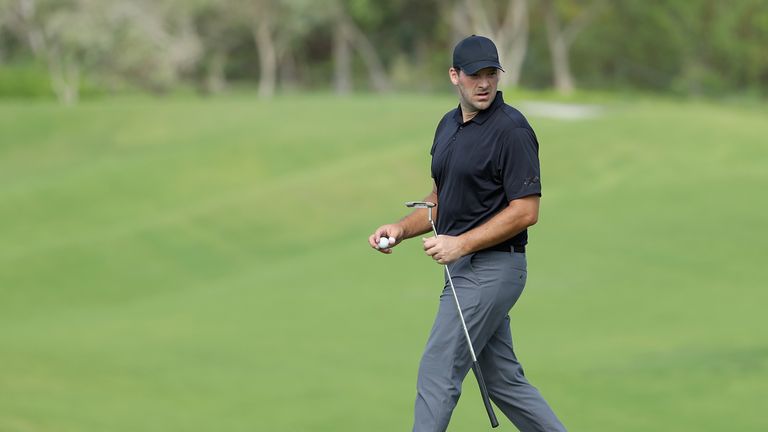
(475, 364)
(458, 306)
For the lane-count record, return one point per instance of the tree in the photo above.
(264, 36)
(739, 41)
(348, 36)
(61, 36)
(510, 33)
(212, 26)
(152, 44)
(561, 36)
(721, 44)
(146, 43)
(275, 26)
(693, 47)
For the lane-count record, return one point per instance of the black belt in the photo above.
(507, 248)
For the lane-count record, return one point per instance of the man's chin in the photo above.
(484, 101)
(482, 105)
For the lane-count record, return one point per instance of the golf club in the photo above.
(475, 365)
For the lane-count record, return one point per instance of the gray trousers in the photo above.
(488, 284)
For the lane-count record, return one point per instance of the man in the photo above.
(486, 185)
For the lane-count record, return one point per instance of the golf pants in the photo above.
(488, 283)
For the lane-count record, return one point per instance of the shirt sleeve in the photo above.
(519, 164)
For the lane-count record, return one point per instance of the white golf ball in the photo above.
(391, 241)
(383, 243)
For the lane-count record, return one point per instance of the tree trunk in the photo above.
(514, 56)
(510, 35)
(215, 79)
(342, 60)
(289, 75)
(25, 26)
(558, 48)
(460, 25)
(65, 76)
(267, 56)
(478, 16)
(365, 48)
(347, 34)
(561, 38)
(20, 20)
(64, 72)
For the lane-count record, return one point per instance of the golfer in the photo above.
(487, 188)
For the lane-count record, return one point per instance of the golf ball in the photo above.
(391, 241)
(383, 243)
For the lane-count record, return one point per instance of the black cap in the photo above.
(475, 53)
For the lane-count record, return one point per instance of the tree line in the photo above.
(682, 46)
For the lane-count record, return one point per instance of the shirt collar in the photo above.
(483, 115)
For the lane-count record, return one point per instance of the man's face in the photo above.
(476, 91)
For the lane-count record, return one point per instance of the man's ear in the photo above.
(454, 75)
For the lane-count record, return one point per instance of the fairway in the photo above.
(190, 264)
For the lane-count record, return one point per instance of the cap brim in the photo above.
(476, 66)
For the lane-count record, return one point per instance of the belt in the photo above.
(507, 248)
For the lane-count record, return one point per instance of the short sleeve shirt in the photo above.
(481, 165)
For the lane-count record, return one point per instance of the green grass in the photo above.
(201, 265)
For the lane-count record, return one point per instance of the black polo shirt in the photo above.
(481, 165)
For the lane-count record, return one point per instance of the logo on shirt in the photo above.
(531, 180)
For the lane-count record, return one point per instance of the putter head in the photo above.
(420, 204)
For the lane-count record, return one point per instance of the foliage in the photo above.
(692, 47)
(25, 80)
(689, 47)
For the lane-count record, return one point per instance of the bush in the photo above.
(25, 80)
(30, 80)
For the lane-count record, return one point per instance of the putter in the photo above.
(475, 365)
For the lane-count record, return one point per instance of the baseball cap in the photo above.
(474, 53)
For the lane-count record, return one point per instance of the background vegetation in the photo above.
(694, 47)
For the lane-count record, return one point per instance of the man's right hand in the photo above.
(390, 230)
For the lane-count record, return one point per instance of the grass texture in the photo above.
(190, 264)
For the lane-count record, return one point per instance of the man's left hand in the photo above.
(444, 249)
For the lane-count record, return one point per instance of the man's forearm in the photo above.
(519, 215)
(417, 222)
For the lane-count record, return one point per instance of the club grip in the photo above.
(484, 393)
